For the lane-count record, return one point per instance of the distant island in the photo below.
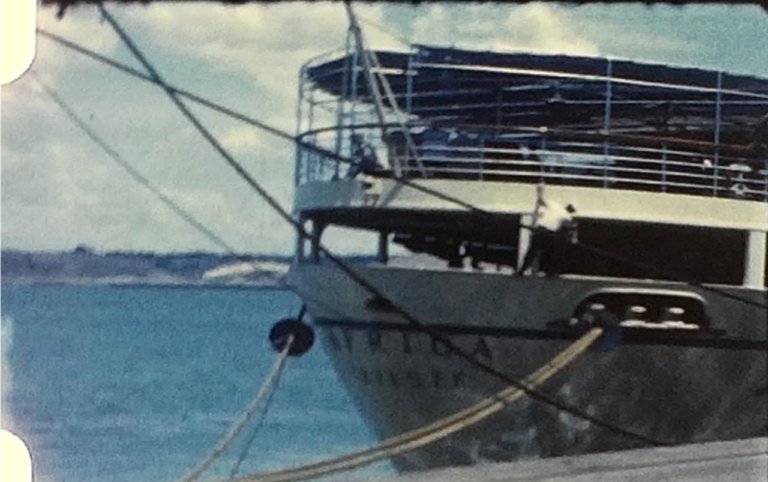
(84, 265)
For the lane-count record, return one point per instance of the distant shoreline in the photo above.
(84, 267)
(248, 287)
(147, 284)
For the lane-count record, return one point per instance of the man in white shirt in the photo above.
(553, 230)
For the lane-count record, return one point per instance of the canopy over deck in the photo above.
(463, 86)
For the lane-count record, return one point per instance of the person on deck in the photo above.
(366, 161)
(434, 150)
(399, 155)
(554, 232)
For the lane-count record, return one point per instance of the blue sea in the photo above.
(140, 384)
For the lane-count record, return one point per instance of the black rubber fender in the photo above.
(303, 336)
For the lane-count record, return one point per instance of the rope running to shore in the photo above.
(353, 274)
(255, 432)
(332, 155)
(437, 430)
(271, 379)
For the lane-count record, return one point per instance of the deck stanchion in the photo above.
(312, 158)
(409, 84)
(341, 108)
(298, 177)
(718, 111)
(607, 119)
(664, 167)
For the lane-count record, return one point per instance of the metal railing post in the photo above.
(409, 84)
(718, 109)
(481, 141)
(542, 149)
(664, 167)
(300, 165)
(499, 108)
(607, 118)
(353, 97)
(765, 179)
(311, 158)
(341, 105)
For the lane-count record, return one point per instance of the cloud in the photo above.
(546, 28)
(242, 139)
(535, 26)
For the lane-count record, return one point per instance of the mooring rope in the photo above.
(255, 432)
(435, 431)
(273, 376)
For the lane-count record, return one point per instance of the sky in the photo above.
(60, 190)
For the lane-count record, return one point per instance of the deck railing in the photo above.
(540, 155)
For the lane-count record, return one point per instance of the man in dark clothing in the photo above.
(364, 156)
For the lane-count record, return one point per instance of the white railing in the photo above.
(552, 157)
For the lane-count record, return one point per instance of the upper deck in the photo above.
(581, 122)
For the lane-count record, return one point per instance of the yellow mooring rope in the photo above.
(435, 431)
(246, 417)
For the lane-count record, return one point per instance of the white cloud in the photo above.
(241, 139)
(535, 26)
(546, 28)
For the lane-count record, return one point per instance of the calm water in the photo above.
(139, 384)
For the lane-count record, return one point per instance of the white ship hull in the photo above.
(668, 386)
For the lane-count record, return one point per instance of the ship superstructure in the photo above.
(667, 168)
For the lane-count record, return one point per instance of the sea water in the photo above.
(139, 384)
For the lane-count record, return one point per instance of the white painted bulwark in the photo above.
(737, 461)
(517, 198)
